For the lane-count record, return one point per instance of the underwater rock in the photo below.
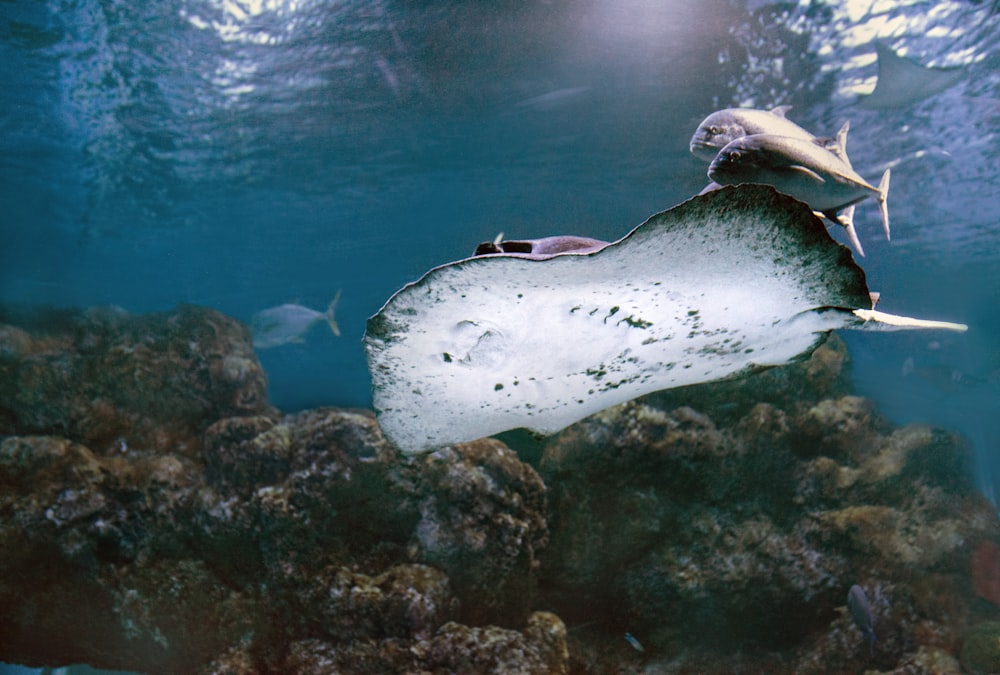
(740, 528)
(538, 649)
(305, 529)
(981, 650)
(720, 525)
(986, 571)
(483, 520)
(119, 383)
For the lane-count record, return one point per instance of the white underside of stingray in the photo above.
(724, 283)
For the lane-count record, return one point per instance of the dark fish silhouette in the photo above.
(902, 81)
(861, 612)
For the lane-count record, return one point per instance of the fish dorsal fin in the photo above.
(781, 110)
(807, 172)
(842, 140)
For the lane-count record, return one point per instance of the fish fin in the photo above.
(875, 296)
(332, 322)
(883, 202)
(807, 171)
(846, 220)
(841, 142)
(781, 110)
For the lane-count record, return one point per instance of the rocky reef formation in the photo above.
(744, 537)
(158, 516)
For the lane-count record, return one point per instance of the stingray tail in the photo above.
(874, 319)
(330, 320)
(883, 201)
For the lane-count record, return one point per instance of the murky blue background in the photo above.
(241, 154)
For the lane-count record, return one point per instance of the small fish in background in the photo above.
(287, 323)
(861, 612)
(942, 377)
(552, 100)
(634, 641)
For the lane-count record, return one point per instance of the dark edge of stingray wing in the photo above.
(746, 196)
(812, 233)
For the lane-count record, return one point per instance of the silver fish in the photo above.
(800, 169)
(634, 641)
(724, 126)
(287, 323)
(861, 612)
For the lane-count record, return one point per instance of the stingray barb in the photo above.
(727, 282)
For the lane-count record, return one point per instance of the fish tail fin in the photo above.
(883, 202)
(841, 142)
(330, 320)
(846, 218)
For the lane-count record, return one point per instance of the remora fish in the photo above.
(724, 126)
(800, 169)
(287, 323)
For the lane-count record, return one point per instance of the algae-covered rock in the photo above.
(120, 382)
(538, 649)
(482, 518)
(174, 565)
(721, 532)
(981, 649)
(707, 530)
(214, 535)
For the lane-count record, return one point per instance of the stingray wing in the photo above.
(723, 283)
(902, 81)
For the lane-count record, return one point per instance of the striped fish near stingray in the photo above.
(538, 337)
(746, 145)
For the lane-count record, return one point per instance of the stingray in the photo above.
(725, 283)
(902, 81)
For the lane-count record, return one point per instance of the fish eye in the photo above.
(714, 130)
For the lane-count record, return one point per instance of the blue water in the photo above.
(241, 154)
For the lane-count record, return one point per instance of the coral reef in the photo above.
(744, 537)
(158, 516)
(285, 544)
(111, 380)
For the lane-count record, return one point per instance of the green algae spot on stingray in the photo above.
(727, 282)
